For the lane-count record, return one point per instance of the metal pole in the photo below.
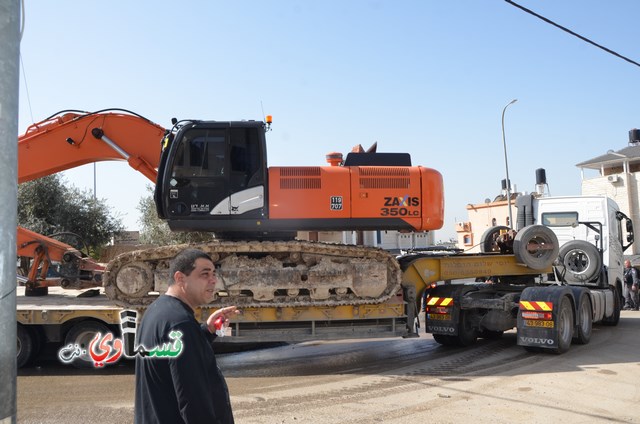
(9, 83)
(506, 164)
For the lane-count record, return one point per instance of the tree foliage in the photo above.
(155, 231)
(47, 206)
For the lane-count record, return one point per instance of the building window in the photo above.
(467, 239)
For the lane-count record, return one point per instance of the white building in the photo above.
(617, 175)
(389, 240)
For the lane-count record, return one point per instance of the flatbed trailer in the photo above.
(63, 318)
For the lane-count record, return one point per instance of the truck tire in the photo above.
(585, 320)
(579, 261)
(26, 346)
(564, 325)
(536, 246)
(445, 340)
(613, 320)
(81, 334)
(467, 334)
(488, 240)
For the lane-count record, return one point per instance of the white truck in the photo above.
(583, 286)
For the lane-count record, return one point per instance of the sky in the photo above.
(426, 77)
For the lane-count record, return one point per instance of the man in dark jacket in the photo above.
(631, 286)
(181, 382)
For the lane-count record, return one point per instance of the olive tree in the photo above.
(50, 207)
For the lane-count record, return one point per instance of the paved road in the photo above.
(388, 381)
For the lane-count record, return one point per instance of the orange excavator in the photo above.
(213, 176)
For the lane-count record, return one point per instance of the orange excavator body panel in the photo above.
(411, 194)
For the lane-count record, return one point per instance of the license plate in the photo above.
(439, 317)
(538, 323)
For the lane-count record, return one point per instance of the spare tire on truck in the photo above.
(536, 246)
(579, 261)
(488, 241)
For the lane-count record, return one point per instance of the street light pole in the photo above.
(506, 164)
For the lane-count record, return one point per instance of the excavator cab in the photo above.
(212, 176)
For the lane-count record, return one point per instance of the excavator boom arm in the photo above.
(67, 140)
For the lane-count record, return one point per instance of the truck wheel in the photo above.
(26, 345)
(564, 324)
(81, 334)
(488, 241)
(585, 321)
(579, 261)
(536, 246)
(445, 340)
(467, 334)
(613, 320)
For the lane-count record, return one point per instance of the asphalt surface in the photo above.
(369, 381)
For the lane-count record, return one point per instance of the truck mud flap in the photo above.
(446, 300)
(537, 322)
(445, 324)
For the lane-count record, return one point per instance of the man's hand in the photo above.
(224, 314)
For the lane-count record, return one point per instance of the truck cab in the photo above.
(592, 236)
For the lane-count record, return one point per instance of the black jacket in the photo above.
(188, 388)
(630, 276)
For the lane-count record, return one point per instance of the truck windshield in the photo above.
(560, 219)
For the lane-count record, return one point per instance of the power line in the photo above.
(549, 21)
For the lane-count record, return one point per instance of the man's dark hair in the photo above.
(185, 262)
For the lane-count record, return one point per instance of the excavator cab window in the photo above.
(200, 154)
(209, 163)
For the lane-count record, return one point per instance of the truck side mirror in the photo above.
(630, 236)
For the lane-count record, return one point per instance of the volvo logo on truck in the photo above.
(441, 330)
(536, 340)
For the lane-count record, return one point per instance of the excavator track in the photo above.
(264, 274)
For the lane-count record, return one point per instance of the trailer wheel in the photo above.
(26, 347)
(488, 241)
(445, 340)
(81, 334)
(564, 325)
(613, 320)
(579, 261)
(536, 246)
(585, 321)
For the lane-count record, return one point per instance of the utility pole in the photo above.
(506, 164)
(9, 94)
